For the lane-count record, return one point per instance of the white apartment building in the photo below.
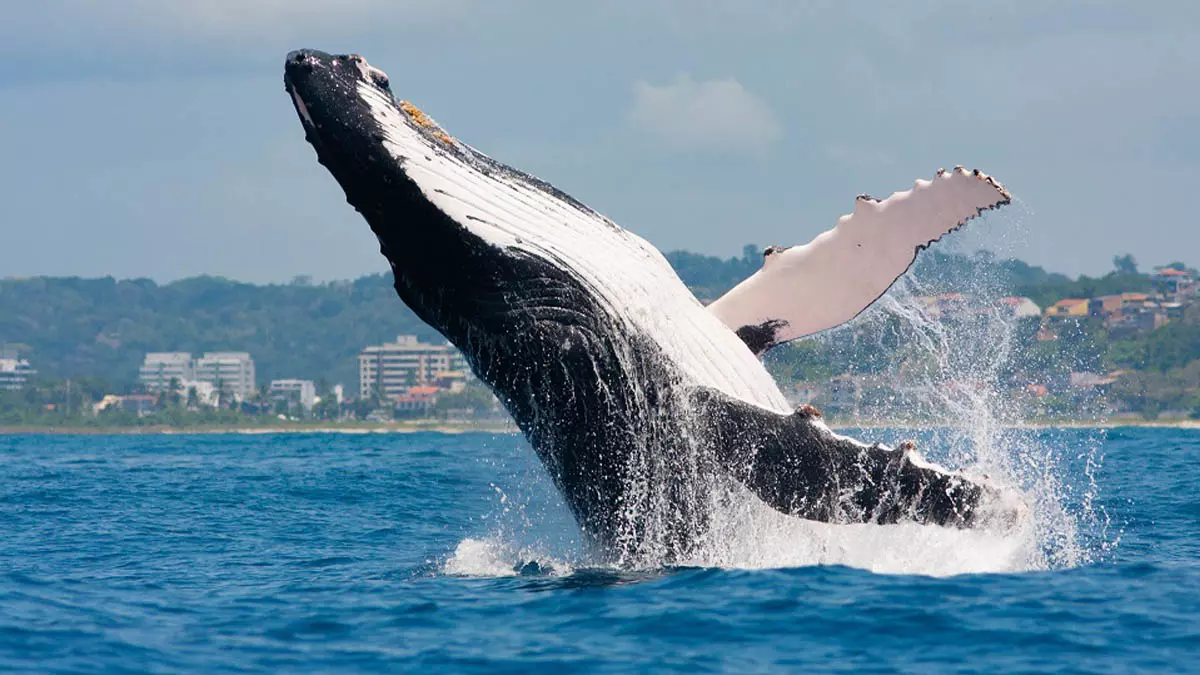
(405, 363)
(160, 368)
(14, 371)
(295, 393)
(231, 372)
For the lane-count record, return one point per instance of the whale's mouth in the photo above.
(326, 91)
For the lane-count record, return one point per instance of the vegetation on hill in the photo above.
(96, 331)
(72, 327)
(710, 277)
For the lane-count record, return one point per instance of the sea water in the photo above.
(430, 552)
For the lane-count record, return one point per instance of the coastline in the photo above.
(506, 427)
(416, 426)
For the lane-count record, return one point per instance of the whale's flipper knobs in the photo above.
(857, 261)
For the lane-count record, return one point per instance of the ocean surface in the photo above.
(452, 553)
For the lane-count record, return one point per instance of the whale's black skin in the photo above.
(605, 410)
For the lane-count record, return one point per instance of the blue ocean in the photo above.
(453, 553)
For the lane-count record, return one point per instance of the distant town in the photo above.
(1057, 366)
(404, 379)
(1124, 353)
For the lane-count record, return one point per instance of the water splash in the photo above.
(948, 360)
(497, 557)
(948, 371)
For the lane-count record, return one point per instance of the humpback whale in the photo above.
(646, 407)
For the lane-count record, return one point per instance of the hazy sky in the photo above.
(153, 138)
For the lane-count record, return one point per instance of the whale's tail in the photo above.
(798, 466)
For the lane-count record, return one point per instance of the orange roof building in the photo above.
(1068, 307)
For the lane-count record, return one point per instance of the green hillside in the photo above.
(71, 327)
(100, 328)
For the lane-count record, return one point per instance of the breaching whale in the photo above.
(646, 407)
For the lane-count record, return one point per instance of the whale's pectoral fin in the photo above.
(798, 466)
(806, 289)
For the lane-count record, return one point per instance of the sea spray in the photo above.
(947, 361)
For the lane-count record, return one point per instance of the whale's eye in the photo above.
(380, 79)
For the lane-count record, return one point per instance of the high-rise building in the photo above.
(159, 369)
(14, 371)
(294, 394)
(231, 372)
(390, 369)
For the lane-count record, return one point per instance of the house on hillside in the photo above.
(1135, 313)
(1173, 310)
(1107, 308)
(1067, 308)
(1174, 284)
(1063, 310)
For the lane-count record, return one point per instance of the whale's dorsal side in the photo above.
(806, 289)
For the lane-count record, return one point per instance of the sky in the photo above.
(143, 138)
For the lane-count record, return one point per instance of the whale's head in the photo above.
(331, 95)
(417, 187)
(476, 247)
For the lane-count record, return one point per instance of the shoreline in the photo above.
(503, 427)
(152, 430)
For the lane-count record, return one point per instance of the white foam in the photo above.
(757, 537)
(493, 557)
(749, 535)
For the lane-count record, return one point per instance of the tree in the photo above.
(1179, 266)
(1125, 264)
(751, 253)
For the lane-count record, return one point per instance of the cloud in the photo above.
(237, 17)
(82, 37)
(228, 17)
(713, 115)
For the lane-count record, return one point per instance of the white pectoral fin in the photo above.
(806, 289)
